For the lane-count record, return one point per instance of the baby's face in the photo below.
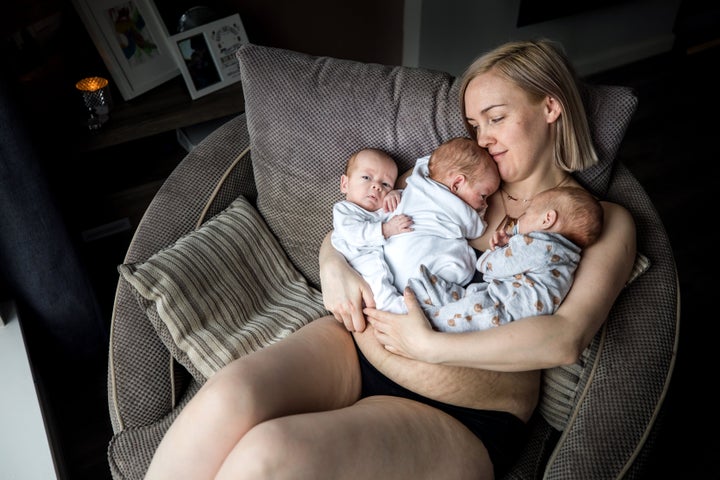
(475, 192)
(370, 180)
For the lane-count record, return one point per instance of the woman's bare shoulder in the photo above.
(616, 246)
(618, 220)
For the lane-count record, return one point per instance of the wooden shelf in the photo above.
(165, 108)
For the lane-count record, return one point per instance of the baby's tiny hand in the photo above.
(500, 238)
(391, 200)
(397, 224)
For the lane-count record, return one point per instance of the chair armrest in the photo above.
(622, 399)
(142, 384)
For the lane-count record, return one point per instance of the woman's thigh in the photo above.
(315, 368)
(378, 437)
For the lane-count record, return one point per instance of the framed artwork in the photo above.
(206, 54)
(131, 41)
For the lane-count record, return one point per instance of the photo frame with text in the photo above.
(206, 55)
(131, 41)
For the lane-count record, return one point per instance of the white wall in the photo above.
(448, 34)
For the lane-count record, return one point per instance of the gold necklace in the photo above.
(508, 223)
(526, 200)
(514, 199)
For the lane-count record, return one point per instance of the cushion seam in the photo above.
(218, 185)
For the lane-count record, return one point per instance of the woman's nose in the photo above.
(483, 139)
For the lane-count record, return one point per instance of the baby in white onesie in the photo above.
(446, 198)
(360, 222)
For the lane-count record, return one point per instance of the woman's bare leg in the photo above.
(314, 369)
(377, 438)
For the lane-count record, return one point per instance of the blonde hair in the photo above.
(541, 69)
(580, 215)
(459, 155)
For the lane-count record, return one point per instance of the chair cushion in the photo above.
(222, 291)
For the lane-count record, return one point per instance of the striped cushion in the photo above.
(222, 291)
(642, 263)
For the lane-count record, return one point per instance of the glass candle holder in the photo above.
(98, 102)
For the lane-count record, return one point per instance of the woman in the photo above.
(396, 399)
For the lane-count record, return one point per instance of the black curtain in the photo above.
(40, 268)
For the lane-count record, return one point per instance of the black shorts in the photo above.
(502, 433)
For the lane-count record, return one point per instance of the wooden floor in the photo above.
(672, 146)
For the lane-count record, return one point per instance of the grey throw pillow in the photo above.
(306, 115)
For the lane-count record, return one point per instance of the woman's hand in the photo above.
(343, 288)
(346, 298)
(400, 334)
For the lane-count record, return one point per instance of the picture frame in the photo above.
(206, 54)
(131, 41)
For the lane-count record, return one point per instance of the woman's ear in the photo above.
(553, 109)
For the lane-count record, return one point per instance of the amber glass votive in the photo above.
(98, 102)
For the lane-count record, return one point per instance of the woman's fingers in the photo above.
(411, 300)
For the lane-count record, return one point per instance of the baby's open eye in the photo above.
(365, 177)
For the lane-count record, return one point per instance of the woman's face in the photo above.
(515, 130)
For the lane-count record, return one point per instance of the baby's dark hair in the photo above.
(580, 214)
(459, 154)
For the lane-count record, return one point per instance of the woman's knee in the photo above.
(230, 394)
(272, 449)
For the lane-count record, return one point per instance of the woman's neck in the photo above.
(516, 196)
(524, 191)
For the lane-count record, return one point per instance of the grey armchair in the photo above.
(304, 115)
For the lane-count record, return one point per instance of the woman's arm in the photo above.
(344, 290)
(534, 342)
